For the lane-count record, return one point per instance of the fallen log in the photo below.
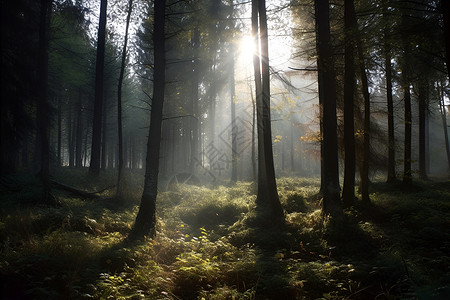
(78, 192)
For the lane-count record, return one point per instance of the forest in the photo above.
(225, 149)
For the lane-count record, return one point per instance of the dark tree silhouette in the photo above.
(94, 167)
(267, 200)
(331, 204)
(348, 190)
(145, 220)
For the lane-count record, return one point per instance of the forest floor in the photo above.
(209, 244)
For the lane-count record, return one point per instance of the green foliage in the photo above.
(209, 246)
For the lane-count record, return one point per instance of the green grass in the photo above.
(209, 244)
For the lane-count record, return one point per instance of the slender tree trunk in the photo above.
(103, 141)
(195, 84)
(267, 200)
(234, 150)
(364, 173)
(94, 168)
(42, 105)
(407, 175)
(391, 176)
(70, 138)
(59, 157)
(446, 15)
(119, 104)
(291, 140)
(348, 190)
(444, 123)
(331, 204)
(145, 220)
(79, 133)
(253, 158)
(423, 108)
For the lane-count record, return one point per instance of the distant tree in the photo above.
(94, 167)
(146, 219)
(267, 196)
(331, 204)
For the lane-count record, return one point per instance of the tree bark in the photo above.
(348, 190)
(42, 104)
(267, 200)
(234, 150)
(331, 204)
(444, 123)
(94, 168)
(79, 133)
(119, 104)
(391, 174)
(145, 220)
(423, 110)
(195, 98)
(364, 173)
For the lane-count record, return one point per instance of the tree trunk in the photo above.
(195, 113)
(331, 204)
(267, 200)
(145, 220)
(79, 133)
(42, 104)
(446, 15)
(444, 123)
(59, 157)
(70, 138)
(391, 175)
(348, 190)
(407, 175)
(423, 109)
(94, 168)
(119, 104)
(364, 173)
(234, 150)
(103, 141)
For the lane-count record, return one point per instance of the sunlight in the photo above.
(246, 47)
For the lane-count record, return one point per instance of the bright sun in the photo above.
(246, 47)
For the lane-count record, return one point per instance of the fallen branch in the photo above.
(78, 192)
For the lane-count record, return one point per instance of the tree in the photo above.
(391, 175)
(267, 200)
(43, 117)
(119, 103)
(94, 167)
(348, 190)
(146, 219)
(331, 204)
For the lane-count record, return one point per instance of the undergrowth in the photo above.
(209, 246)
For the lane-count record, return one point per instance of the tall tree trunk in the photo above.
(348, 190)
(364, 173)
(42, 104)
(195, 113)
(119, 104)
(446, 15)
(267, 200)
(70, 138)
(444, 123)
(391, 175)
(94, 167)
(253, 155)
(331, 204)
(145, 220)
(103, 141)
(407, 175)
(234, 150)
(79, 133)
(423, 109)
(58, 153)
